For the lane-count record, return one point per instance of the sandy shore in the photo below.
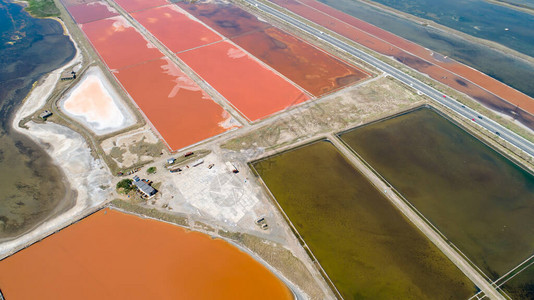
(89, 179)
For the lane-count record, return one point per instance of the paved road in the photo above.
(437, 96)
(427, 230)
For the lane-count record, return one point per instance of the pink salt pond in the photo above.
(92, 11)
(94, 103)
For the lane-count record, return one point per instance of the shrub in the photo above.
(125, 185)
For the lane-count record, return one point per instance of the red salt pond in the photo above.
(178, 108)
(134, 5)
(310, 68)
(225, 18)
(119, 43)
(68, 3)
(250, 87)
(489, 91)
(174, 28)
(92, 11)
(113, 255)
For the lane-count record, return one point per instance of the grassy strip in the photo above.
(150, 212)
(42, 8)
(197, 154)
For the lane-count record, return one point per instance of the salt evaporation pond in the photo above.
(113, 255)
(480, 200)
(94, 103)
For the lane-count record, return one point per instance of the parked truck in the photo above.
(231, 167)
(198, 162)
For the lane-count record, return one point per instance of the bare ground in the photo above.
(351, 107)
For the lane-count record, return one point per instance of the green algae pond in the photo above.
(366, 246)
(521, 286)
(481, 201)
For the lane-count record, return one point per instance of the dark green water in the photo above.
(31, 187)
(480, 200)
(368, 249)
(521, 287)
(503, 67)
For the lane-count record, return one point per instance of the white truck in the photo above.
(231, 167)
(198, 162)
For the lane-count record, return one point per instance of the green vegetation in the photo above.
(197, 154)
(42, 8)
(151, 170)
(148, 149)
(117, 153)
(365, 245)
(125, 186)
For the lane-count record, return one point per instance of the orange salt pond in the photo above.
(118, 43)
(94, 103)
(174, 28)
(113, 255)
(178, 108)
(252, 88)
